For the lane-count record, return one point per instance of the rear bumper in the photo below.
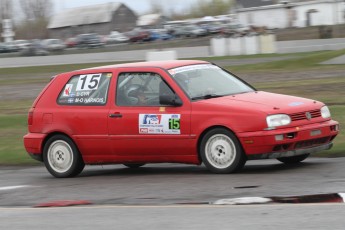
(33, 143)
(289, 141)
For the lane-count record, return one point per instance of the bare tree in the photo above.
(6, 9)
(204, 8)
(36, 9)
(156, 7)
(36, 18)
(211, 8)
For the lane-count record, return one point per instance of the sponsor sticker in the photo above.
(68, 90)
(159, 124)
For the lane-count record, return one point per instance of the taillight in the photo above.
(31, 116)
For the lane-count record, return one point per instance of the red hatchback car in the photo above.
(173, 111)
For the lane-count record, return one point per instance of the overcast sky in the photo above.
(139, 6)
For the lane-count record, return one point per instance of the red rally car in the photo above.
(181, 111)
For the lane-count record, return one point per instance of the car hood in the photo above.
(269, 103)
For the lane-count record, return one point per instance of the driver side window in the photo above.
(140, 89)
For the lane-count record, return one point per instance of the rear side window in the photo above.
(86, 89)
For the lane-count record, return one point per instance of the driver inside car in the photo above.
(137, 95)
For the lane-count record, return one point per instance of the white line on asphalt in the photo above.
(243, 200)
(3, 208)
(14, 187)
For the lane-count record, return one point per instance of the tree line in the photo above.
(29, 17)
(198, 9)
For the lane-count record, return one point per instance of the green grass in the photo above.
(13, 113)
(292, 55)
(48, 69)
(338, 150)
(328, 90)
(14, 107)
(12, 130)
(302, 61)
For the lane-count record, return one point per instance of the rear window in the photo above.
(86, 89)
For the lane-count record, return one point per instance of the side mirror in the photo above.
(171, 99)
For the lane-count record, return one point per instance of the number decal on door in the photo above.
(174, 123)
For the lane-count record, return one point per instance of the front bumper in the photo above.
(290, 153)
(291, 141)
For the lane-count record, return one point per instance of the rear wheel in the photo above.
(62, 158)
(221, 152)
(294, 159)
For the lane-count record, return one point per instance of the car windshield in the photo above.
(208, 81)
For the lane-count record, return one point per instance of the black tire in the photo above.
(134, 166)
(221, 152)
(294, 159)
(62, 158)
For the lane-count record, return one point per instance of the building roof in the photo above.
(100, 13)
(254, 3)
(264, 3)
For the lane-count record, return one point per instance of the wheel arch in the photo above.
(201, 136)
(54, 134)
(74, 163)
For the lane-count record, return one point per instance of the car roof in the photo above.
(157, 64)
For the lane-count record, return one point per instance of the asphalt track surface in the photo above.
(251, 217)
(170, 184)
(123, 56)
(173, 196)
(118, 56)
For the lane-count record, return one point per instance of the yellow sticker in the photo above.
(162, 109)
(109, 75)
(297, 128)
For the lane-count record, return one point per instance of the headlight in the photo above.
(325, 113)
(278, 120)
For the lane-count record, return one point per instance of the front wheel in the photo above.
(62, 158)
(221, 152)
(293, 159)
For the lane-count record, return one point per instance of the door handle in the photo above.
(115, 115)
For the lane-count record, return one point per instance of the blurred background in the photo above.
(55, 25)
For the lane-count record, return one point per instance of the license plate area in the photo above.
(315, 132)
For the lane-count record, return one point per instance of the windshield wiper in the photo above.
(207, 96)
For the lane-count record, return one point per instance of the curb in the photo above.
(62, 203)
(304, 199)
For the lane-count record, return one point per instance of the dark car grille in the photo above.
(303, 115)
(309, 143)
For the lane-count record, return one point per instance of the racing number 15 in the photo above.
(174, 123)
(88, 82)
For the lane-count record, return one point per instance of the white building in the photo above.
(7, 29)
(284, 14)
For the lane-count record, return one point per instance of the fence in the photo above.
(248, 45)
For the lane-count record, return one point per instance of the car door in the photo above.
(82, 112)
(148, 131)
